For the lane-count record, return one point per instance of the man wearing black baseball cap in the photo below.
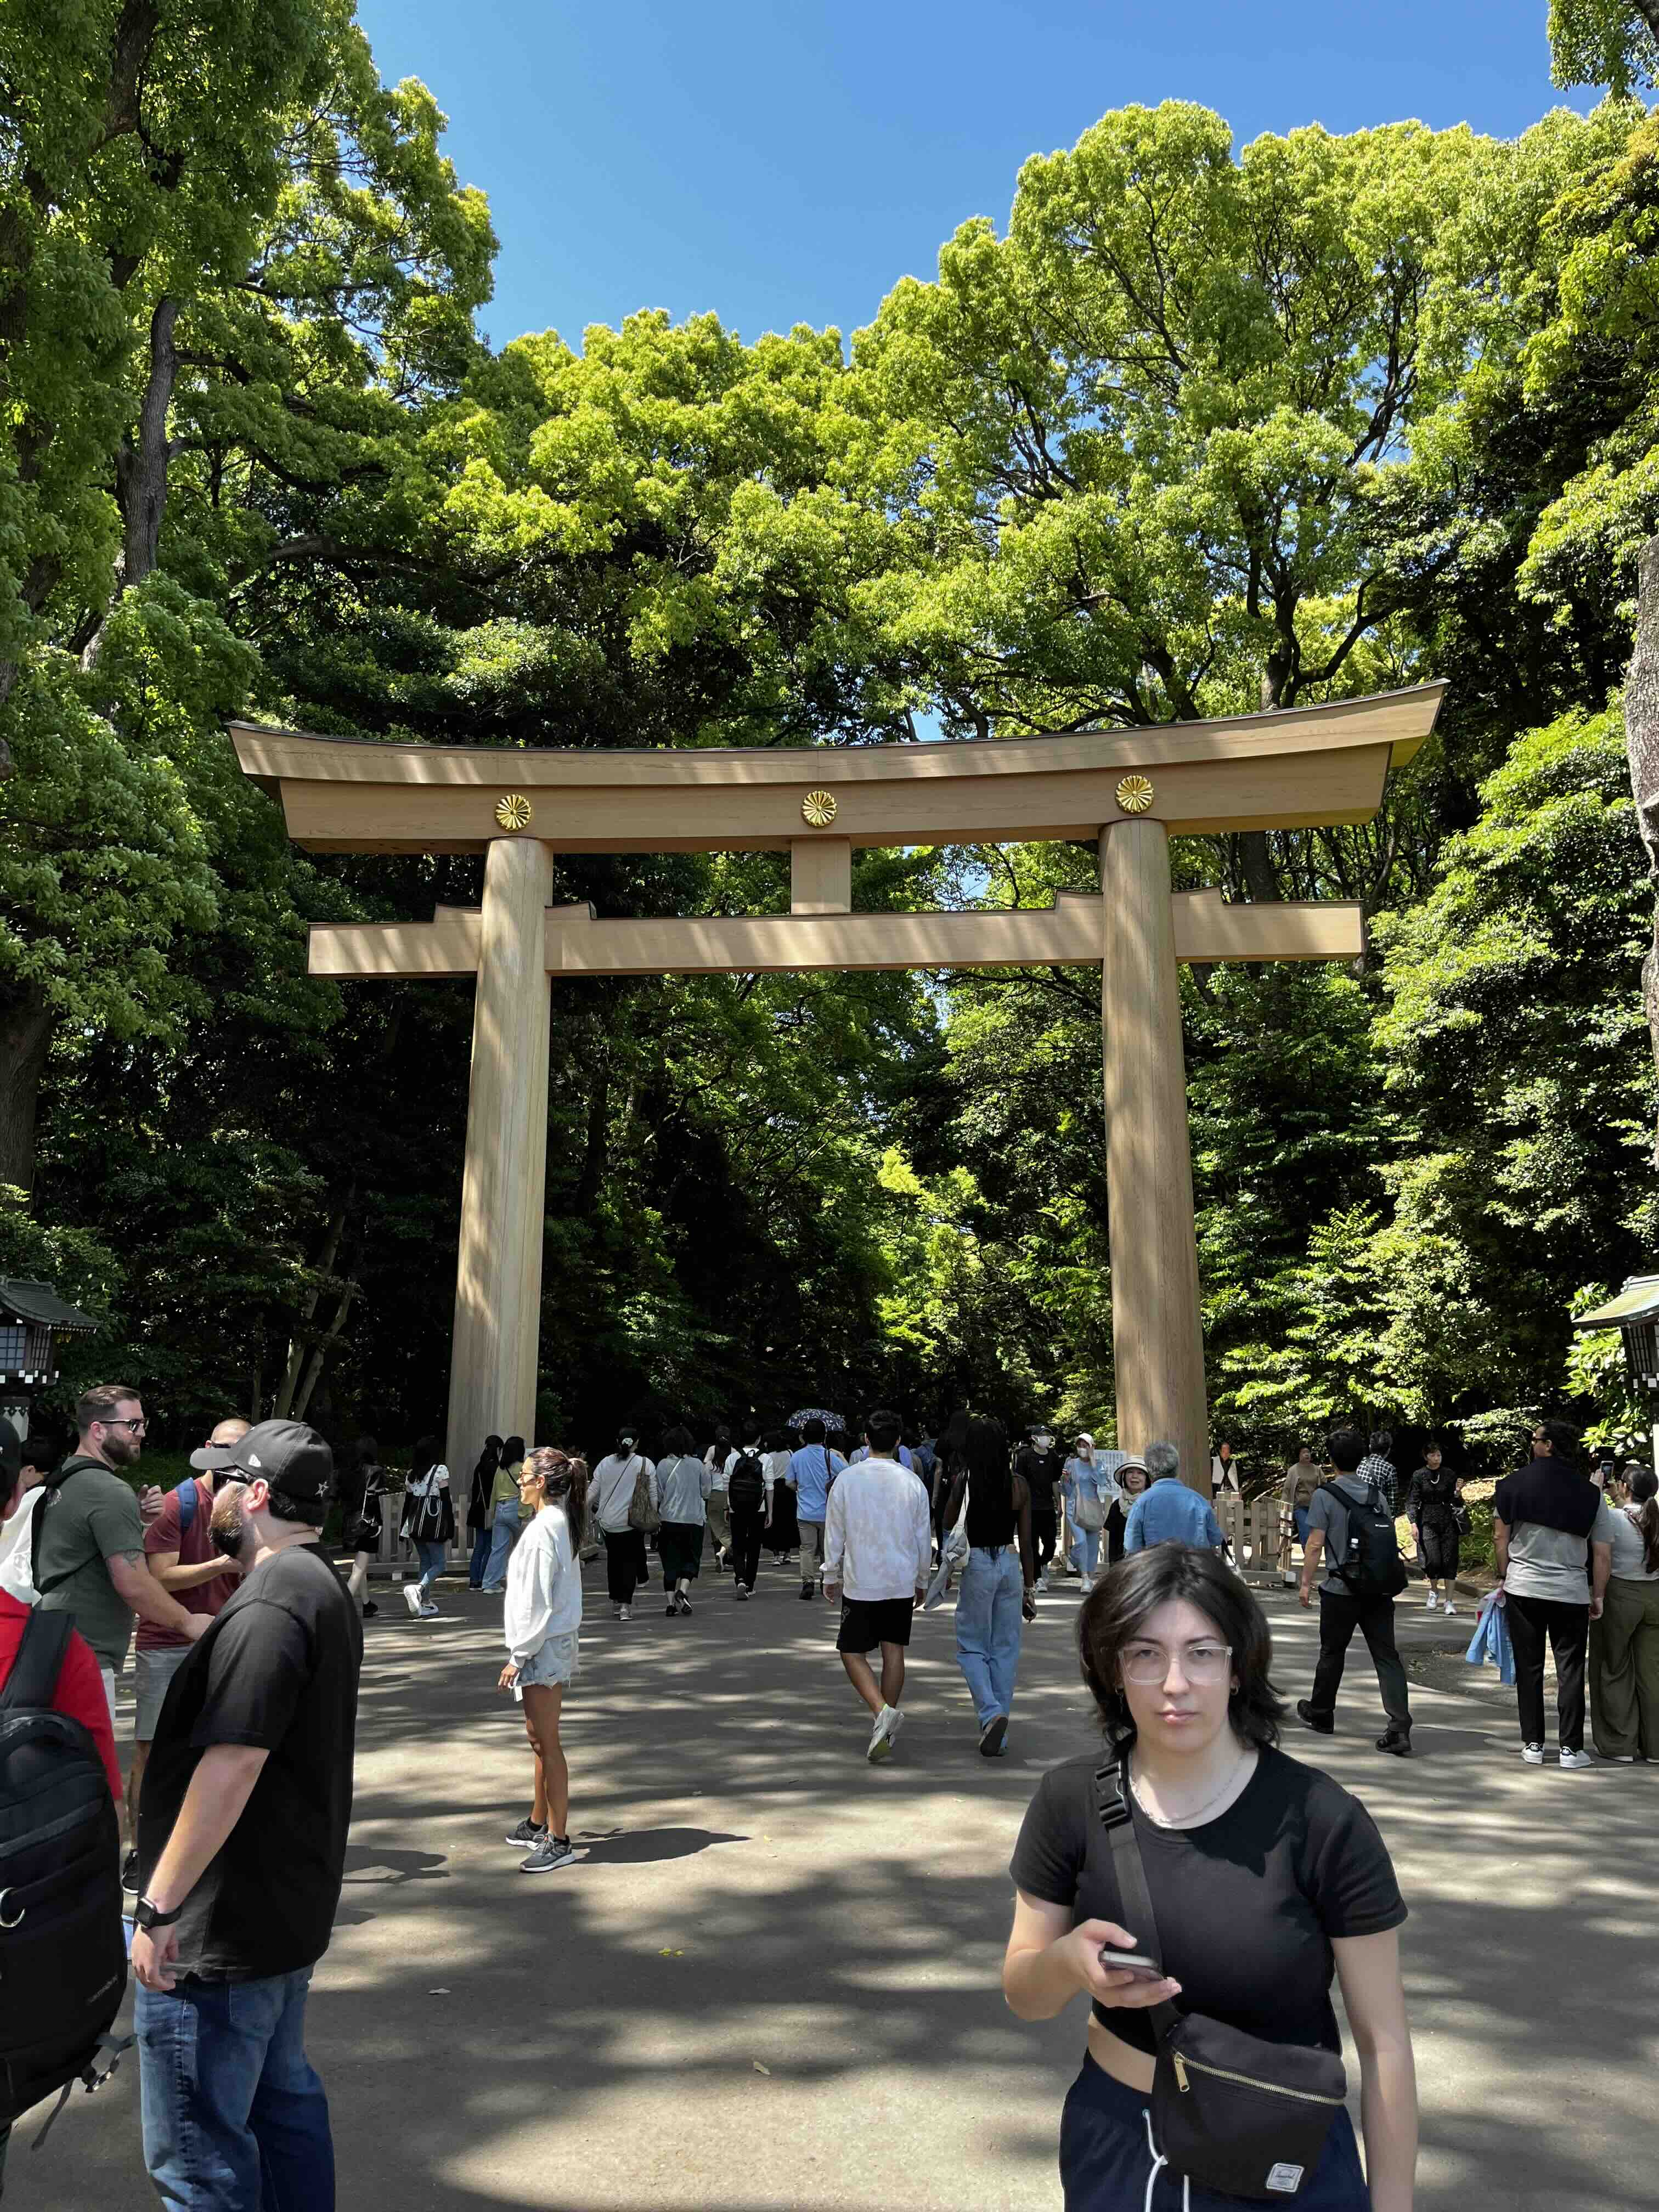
(242, 1847)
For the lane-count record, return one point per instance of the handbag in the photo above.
(1087, 1511)
(641, 1513)
(1230, 2111)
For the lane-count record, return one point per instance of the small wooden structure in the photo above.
(1127, 790)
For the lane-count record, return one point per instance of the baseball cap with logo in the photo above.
(289, 1455)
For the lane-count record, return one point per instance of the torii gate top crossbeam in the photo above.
(1288, 769)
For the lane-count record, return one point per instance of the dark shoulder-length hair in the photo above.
(1124, 1600)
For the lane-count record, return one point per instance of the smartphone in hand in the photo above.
(1130, 1962)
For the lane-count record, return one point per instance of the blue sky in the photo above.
(787, 162)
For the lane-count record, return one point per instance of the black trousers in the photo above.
(1043, 1534)
(746, 1527)
(624, 1564)
(1567, 1626)
(1438, 1541)
(1339, 1617)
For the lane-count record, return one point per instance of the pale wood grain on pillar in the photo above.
(821, 875)
(498, 1283)
(1157, 1342)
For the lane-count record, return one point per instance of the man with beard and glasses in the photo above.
(181, 1554)
(89, 1546)
(241, 1848)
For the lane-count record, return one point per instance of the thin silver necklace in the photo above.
(1188, 1820)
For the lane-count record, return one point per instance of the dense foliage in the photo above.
(1203, 428)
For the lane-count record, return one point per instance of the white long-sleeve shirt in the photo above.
(543, 1586)
(878, 1535)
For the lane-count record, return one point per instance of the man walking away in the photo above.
(1350, 1519)
(878, 1546)
(625, 1563)
(1379, 1470)
(88, 1550)
(180, 1553)
(1042, 1464)
(749, 1503)
(814, 1468)
(241, 1848)
(1555, 1576)
(1167, 1512)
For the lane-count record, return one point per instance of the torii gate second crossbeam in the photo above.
(1127, 790)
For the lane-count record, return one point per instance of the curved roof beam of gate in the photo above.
(1289, 770)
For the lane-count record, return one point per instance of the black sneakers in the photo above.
(1305, 1713)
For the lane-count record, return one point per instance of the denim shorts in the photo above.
(1106, 2159)
(153, 1673)
(556, 1662)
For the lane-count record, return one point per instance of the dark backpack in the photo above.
(745, 1486)
(188, 1497)
(1370, 1561)
(63, 1951)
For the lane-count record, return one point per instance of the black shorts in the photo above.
(866, 1622)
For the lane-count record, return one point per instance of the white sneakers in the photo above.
(624, 1613)
(1533, 1753)
(1576, 1759)
(884, 1736)
(1431, 1603)
(412, 1600)
(1450, 1609)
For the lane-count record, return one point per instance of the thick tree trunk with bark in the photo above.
(24, 1035)
(1642, 747)
(141, 463)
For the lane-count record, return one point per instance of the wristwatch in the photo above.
(145, 1915)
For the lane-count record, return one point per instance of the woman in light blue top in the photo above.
(1085, 1482)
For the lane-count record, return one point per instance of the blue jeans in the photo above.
(1299, 1514)
(988, 1626)
(1085, 1546)
(234, 2116)
(480, 1558)
(431, 1557)
(501, 1543)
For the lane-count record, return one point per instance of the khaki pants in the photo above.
(1623, 1655)
(720, 1520)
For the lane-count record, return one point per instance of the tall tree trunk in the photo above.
(140, 462)
(1642, 747)
(25, 1035)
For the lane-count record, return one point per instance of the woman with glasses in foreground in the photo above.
(1264, 1878)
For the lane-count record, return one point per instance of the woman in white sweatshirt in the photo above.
(541, 1620)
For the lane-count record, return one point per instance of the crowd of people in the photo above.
(234, 1815)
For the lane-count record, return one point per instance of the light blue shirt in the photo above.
(904, 1458)
(679, 1486)
(1170, 1513)
(812, 1469)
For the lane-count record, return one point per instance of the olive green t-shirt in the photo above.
(94, 1517)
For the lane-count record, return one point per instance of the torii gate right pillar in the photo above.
(1158, 1338)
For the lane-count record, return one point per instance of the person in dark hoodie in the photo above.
(1554, 1580)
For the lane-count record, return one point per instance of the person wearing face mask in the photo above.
(180, 1553)
(1259, 1880)
(1091, 1491)
(242, 1828)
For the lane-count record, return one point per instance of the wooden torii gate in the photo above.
(1129, 790)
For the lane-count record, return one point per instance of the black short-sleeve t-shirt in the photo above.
(1246, 1904)
(278, 1669)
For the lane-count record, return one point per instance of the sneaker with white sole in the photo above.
(740, 1591)
(1576, 1759)
(625, 1613)
(550, 1854)
(412, 1600)
(883, 1736)
(428, 1613)
(993, 1736)
(527, 1834)
(1431, 1603)
(1451, 1610)
(1533, 1753)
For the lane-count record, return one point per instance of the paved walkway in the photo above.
(756, 1897)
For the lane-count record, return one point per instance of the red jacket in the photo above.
(80, 1693)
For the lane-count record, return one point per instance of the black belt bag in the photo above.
(1230, 2111)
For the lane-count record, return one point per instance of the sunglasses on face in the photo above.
(134, 1427)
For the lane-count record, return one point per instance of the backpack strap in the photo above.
(189, 1498)
(54, 1491)
(1117, 1817)
(32, 1681)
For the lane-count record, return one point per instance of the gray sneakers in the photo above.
(527, 1834)
(550, 1854)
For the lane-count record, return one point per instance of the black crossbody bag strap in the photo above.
(1117, 1818)
(33, 1680)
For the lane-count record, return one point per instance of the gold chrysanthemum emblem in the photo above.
(818, 807)
(1134, 794)
(513, 811)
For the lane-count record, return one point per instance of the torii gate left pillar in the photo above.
(498, 1277)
